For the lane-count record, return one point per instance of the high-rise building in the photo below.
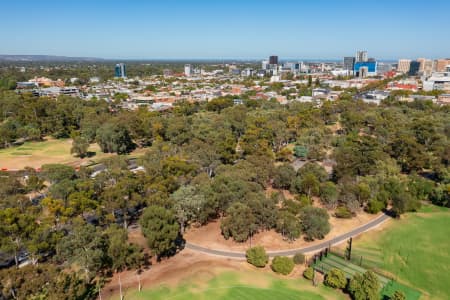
(349, 63)
(273, 60)
(120, 71)
(426, 66)
(403, 65)
(188, 70)
(361, 56)
(365, 68)
(440, 65)
(265, 65)
(414, 67)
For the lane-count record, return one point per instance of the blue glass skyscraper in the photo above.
(120, 71)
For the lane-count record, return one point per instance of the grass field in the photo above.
(36, 154)
(245, 285)
(413, 250)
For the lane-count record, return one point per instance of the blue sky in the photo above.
(226, 29)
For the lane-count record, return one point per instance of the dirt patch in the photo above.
(209, 236)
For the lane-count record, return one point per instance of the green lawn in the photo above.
(246, 285)
(36, 154)
(414, 250)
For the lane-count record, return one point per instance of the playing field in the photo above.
(245, 285)
(50, 151)
(413, 250)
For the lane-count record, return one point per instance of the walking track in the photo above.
(310, 249)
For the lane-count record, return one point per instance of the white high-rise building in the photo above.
(361, 56)
(188, 70)
(265, 65)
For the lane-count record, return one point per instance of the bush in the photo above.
(343, 213)
(398, 295)
(257, 256)
(375, 206)
(364, 286)
(335, 278)
(299, 258)
(309, 273)
(282, 264)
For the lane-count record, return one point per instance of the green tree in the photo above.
(282, 264)
(300, 151)
(80, 146)
(190, 206)
(283, 176)
(335, 278)
(329, 194)
(365, 286)
(219, 104)
(114, 138)
(257, 256)
(239, 223)
(15, 229)
(288, 225)
(85, 247)
(309, 185)
(122, 254)
(315, 222)
(160, 227)
(56, 173)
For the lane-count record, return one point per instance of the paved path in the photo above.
(290, 252)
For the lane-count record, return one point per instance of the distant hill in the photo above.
(45, 58)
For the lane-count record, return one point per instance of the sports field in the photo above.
(413, 250)
(245, 285)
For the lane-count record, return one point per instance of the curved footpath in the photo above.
(310, 249)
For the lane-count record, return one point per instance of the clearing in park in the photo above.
(49, 151)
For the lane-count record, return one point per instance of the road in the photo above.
(310, 249)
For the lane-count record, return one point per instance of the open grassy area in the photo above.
(413, 250)
(251, 285)
(36, 154)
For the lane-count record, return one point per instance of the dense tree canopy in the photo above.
(206, 161)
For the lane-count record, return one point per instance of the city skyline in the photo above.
(231, 30)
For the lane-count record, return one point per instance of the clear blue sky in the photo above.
(226, 28)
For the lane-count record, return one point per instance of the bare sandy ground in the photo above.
(210, 236)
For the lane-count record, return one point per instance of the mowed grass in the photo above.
(413, 250)
(50, 151)
(245, 285)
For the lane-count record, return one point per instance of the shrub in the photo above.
(335, 278)
(257, 256)
(398, 295)
(282, 264)
(343, 212)
(375, 206)
(309, 273)
(299, 258)
(364, 286)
